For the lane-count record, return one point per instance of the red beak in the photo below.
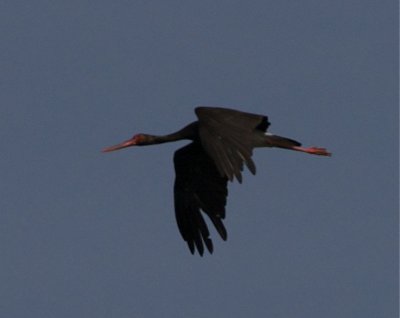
(125, 144)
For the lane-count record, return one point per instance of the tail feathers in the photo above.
(280, 142)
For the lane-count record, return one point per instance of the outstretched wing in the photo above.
(229, 136)
(198, 186)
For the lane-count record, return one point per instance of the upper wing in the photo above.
(198, 186)
(229, 136)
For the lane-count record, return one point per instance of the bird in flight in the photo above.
(222, 143)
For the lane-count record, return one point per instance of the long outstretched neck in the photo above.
(188, 132)
(155, 139)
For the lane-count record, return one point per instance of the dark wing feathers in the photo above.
(233, 117)
(198, 186)
(225, 144)
(227, 135)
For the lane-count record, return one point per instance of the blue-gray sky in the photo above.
(85, 234)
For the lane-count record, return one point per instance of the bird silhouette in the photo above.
(222, 143)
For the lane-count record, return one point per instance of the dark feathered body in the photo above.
(223, 141)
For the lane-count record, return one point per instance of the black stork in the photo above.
(222, 142)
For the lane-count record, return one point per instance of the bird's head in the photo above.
(136, 140)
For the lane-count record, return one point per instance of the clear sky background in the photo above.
(86, 234)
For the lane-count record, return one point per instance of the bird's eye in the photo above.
(138, 138)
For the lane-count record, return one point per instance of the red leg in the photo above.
(313, 150)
